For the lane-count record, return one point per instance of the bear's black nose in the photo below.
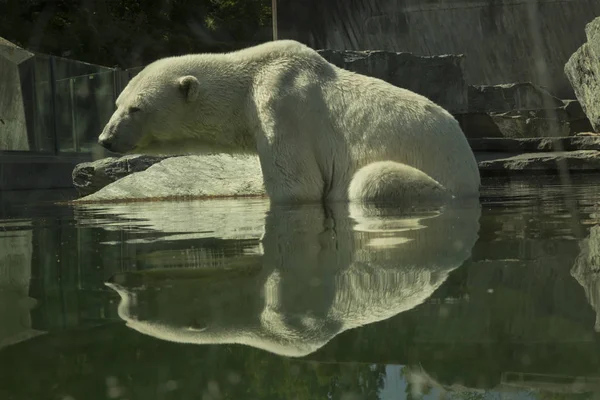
(106, 143)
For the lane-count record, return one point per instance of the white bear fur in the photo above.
(313, 125)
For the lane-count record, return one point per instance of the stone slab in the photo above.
(439, 78)
(523, 145)
(510, 97)
(187, 177)
(551, 162)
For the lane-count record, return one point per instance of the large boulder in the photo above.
(182, 177)
(583, 71)
(439, 78)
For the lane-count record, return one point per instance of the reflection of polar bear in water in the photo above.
(318, 277)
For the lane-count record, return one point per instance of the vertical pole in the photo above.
(274, 17)
(74, 133)
(56, 146)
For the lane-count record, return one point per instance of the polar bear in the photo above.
(321, 133)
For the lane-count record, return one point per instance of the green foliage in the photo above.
(129, 33)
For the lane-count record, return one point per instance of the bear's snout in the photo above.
(106, 138)
(112, 141)
(105, 142)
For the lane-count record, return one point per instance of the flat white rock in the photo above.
(198, 176)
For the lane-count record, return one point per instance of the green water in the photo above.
(236, 300)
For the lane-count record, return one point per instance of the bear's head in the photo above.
(155, 109)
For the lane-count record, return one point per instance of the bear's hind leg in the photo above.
(388, 181)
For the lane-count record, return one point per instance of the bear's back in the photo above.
(274, 48)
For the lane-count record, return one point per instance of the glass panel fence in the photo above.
(54, 105)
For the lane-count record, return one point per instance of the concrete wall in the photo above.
(13, 124)
(504, 40)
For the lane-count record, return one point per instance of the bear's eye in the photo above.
(134, 110)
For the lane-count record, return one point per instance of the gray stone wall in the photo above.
(504, 40)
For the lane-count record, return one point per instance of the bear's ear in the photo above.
(189, 87)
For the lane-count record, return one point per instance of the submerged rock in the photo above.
(439, 78)
(206, 176)
(583, 71)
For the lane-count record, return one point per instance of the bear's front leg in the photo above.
(290, 172)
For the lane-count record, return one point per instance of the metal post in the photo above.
(74, 132)
(55, 143)
(274, 17)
